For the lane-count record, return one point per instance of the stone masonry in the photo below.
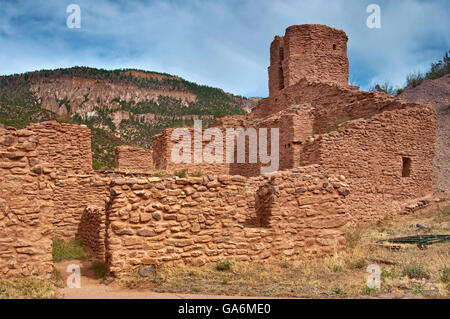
(346, 156)
(127, 157)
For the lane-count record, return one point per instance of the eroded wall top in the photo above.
(312, 51)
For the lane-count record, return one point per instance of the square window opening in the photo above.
(406, 168)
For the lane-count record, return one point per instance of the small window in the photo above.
(334, 46)
(406, 171)
(281, 79)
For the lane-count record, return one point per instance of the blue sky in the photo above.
(218, 43)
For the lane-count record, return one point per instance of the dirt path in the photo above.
(92, 288)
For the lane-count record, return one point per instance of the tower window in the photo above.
(281, 79)
(406, 170)
(334, 46)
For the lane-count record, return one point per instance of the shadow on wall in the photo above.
(92, 230)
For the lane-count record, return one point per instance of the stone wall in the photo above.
(25, 206)
(309, 51)
(295, 125)
(162, 155)
(200, 220)
(66, 147)
(71, 195)
(92, 230)
(388, 160)
(133, 158)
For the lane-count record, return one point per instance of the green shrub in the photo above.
(415, 270)
(369, 291)
(446, 275)
(100, 269)
(72, 249)
(223, 265)
(159, 174)
(96, 165)
(388, 273)
(196, 174)
(180, 174)
(385, 87)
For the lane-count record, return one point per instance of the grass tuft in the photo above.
(415, 270)
(446, 275)
(68, 250)
(100, 269)
(223, 265)
(196, 174)
(181, 173)
(369, 291)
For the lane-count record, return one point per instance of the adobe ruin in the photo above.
(346, 156)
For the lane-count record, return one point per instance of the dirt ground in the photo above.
(94, 288)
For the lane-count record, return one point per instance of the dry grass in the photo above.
(408, 270)
(26, 288)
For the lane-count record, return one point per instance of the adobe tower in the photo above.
(312, 51)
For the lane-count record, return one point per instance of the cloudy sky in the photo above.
(221, 43)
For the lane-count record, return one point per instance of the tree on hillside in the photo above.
(385, 87)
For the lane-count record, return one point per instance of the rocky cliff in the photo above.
(120, 106)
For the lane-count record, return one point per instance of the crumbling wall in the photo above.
(71, 195)
(133, 158)
(332, 103)
(66, 147)
(311, 51)
(388, 160)
(92, 230)
(25, 206)
(200, 220)
(295, 126)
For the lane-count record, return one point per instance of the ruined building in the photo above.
(346, 156)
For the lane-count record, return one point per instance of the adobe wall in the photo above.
(66, 147)
(295, 126)
(133, 158)
(199, 220)
(25, 206)
(370, 154)
(71, 195)
(162, 155)
(311, 51)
